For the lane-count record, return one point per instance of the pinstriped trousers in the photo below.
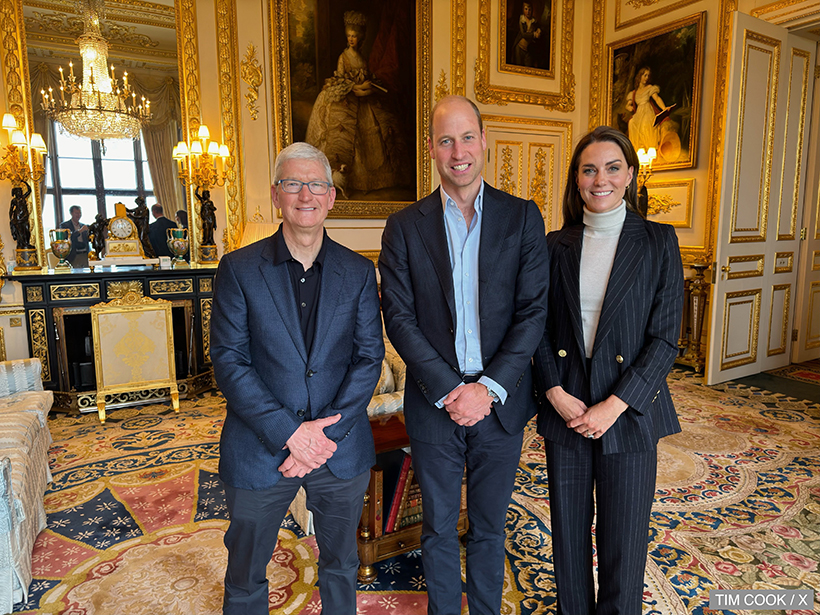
(621, 486)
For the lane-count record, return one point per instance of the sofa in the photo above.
(24, 473)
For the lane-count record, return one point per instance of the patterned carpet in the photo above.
(136, 515)
(808, 372)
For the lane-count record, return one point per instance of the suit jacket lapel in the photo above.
(624, 269)
(333, 276)
(495, 218)
(281, 290)
(433, 235)
(570, 263)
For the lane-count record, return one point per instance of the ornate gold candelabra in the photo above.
(202, 164)
(645, 159)
(22, 164)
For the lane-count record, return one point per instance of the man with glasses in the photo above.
(296, 344)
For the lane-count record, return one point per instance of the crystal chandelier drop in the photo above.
(99, 107)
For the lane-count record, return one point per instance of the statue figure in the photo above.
(207, 213)
(98, 228)
(139, 215)
(18, 217)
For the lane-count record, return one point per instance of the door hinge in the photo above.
(803, 233)
(794, 335)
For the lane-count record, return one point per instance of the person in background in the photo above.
(78, 257)
(181, 218)
(157, 231)
(615, 305)
(297, 349)
(464, 292)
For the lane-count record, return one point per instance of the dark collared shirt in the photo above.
(306, 284)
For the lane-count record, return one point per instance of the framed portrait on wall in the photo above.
(654, 90)
(527, 32)
(353, 80)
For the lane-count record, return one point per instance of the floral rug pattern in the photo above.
(136, 515)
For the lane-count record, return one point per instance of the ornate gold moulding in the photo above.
(86, 401)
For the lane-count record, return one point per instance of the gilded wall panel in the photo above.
(670, 202)
(741, 323)
(205, 310)
(813, 334)
(779, 320)
(756, 124)
(229, 96)
(633, 12)
(798, 91)
(39, 340)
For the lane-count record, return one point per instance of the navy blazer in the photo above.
(420, 314)
(270, 382)
(636, 341)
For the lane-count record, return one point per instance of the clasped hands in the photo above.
(589, 422)
(309, 447)
(468, 404)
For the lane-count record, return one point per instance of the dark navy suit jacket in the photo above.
(419, 306)
(269, 380)
(636, 341)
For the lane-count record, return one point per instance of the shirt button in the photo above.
(300, 412)
(470, 360)
(469, 330)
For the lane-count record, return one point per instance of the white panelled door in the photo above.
(761, 205)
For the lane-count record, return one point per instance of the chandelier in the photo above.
(99, 107)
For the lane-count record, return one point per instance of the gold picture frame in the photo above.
(304, 87)
(561, 100)
(527, 41)
(133, 347)
(654, 89)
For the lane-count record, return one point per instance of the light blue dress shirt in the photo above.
(463, 245)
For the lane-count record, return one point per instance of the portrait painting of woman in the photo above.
(654, 91)
(356, 100)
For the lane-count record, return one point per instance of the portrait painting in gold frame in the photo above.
(354, 80)
(527, 35)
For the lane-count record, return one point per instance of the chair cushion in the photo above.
(20, 375)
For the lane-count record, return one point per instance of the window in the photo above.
(79, 173)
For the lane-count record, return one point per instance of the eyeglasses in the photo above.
(294, 186)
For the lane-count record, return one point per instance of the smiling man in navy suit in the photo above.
(464, 291)
(296, 344)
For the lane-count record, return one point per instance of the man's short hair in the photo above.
(301, 151)
(449, 98)
(156, 209)
(72, 208)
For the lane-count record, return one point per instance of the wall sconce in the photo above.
(203, 163)
(645, 159)
(16, 165)
(22, 163)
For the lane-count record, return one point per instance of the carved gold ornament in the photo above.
(252, 75)
(206, 285)
(116, 290)
(39, 340)
(171, 287)
(441, 86)
(205, 311)
(661, 204)
(639, 4)
(34, 294)
(506, 181)
(72, 25)
(67, 292)
(538, 186)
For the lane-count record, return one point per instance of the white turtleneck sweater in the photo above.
(601, 234)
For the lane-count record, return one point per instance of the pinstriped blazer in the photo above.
(636, 341)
